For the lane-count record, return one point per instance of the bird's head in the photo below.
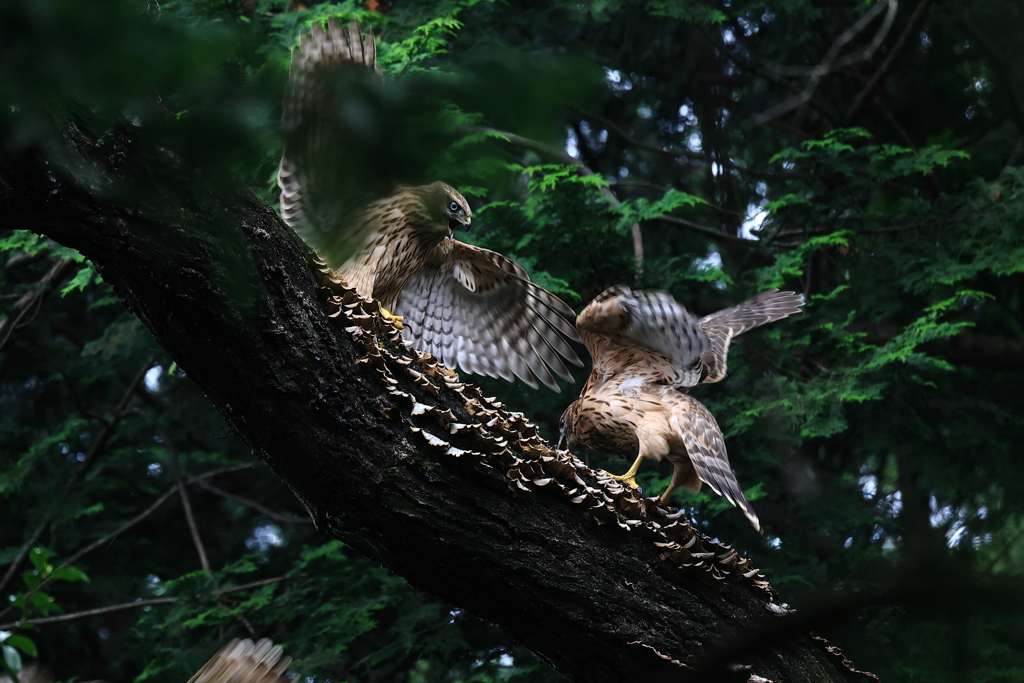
(444, 207)
(567, 440)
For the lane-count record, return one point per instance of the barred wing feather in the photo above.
(478, 310)
(722, 326)
(319, 198)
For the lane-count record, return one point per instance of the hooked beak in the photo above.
(454, 224)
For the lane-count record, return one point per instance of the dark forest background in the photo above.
(868, 155)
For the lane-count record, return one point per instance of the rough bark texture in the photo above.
(394, 455)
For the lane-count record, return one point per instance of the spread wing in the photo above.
(722, 326)
(321, 195)
(706, 448)
(648, 319)
(479, 311)
(657, 320)
(242, 661)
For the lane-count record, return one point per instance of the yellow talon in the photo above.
(396, 320)
(627, 478)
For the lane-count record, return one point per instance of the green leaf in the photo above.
(786, 200)
(32, 579)
(12, 660)
(32, 244)
(44, 604)
(22, 643)
(85, 276)
(39, 558)
(69, 574)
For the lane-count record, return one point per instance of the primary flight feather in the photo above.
(243, 661)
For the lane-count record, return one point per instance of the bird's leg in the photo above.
(396, 320)
(630, 476)
(668, 492)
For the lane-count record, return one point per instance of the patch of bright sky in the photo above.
(869, 485)
(755, 214)
(506, 660)
(153, 378)
(892, 504)
(572, 147)
(755, 218)
(687, 118)
(616, 81)
(954, 518)
(889, 505)
(154, 585)
(713, 262)
(687, 115)
(957, 519)
(264, 537)
(588, 133)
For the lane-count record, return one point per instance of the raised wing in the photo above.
(321, 195)
(722, 326)
(706, 448)
(242, 661)
(657, 320)
(652, 320)
(479, 311)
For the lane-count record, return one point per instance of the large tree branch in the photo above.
(391, 453)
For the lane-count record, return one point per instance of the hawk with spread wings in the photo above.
(242, 661)
(470, 307)
(647, 348)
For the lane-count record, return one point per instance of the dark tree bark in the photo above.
(391, 453)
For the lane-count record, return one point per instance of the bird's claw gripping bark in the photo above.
(628, 478)
(396, 320)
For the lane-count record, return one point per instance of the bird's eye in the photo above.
(453, 207)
